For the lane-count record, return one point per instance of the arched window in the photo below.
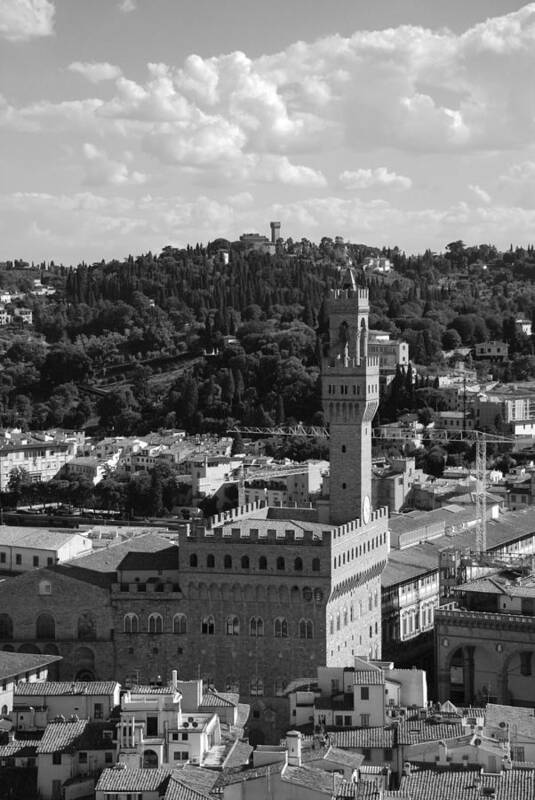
(318, 596)
(315, 565)
(245, 562)
(256, 626)
(180, 623)
(208, 625)
(155, 623)
(4, 711)
(280, 563)
(232, 626)
(280, 628)
(87, 629)
(262, 562)
(305, 629)
(193, 560)
(131, 623)
(298, 564)
(6, 627)
(256, 686)
(210, 561)
(307, 593)
(232, 684)
(227, 562)
(45, 627)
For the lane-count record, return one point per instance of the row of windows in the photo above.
(245, 562)
(45, 627)
(348, 614)
(357, 552)
(18, 560)
(232, 626)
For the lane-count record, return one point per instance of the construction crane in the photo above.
(477, 437)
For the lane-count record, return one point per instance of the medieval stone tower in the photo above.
(350, 392)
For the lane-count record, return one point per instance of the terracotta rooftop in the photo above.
(369, 676)
(368, 738)
(69, 737)
(12, 665)
(424, 730)
(214, 700)
(311, 778)
(197, 779)
(108, 559)
(449, 783)
(133, 780)
(57, 688)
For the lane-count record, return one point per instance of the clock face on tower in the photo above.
(366, 510)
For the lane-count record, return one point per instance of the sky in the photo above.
(129, 125)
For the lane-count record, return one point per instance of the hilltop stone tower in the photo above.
(350, 391)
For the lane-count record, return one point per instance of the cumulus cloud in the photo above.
(96, 71)
(522, 173)
(101, 170)
(126, 6)
(21, 20)
(407, 88)
(480, 193)
(368, 178)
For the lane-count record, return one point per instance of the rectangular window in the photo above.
(108, 757)
(347, 720)
(185, 737)
(364, 692)
(18, 559)
(2, 558)
(36, 561)
(339, 720)
(49, 561)
(525, 663)
(365, 720)
(82, 758)
(56, 758)
(99, 711)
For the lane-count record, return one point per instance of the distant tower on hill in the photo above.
(350, 390)
(275, 231)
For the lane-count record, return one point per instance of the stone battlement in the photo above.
(356, 524)
(261, 533)
(341, 363)
(361, 295)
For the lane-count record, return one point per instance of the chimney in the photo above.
(174, 678)
(293, 743)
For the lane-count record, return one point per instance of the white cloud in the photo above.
(126, 6)
(96, 71)
(368, 178)
(523, 173)
(406, 88)
(21, 20)
(102, 170)
(480, 193)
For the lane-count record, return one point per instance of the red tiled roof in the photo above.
(449, 783)
(421, 730)
(56, 688)
(117, 779)
(363, 737)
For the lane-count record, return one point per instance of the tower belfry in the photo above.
(350, 393)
